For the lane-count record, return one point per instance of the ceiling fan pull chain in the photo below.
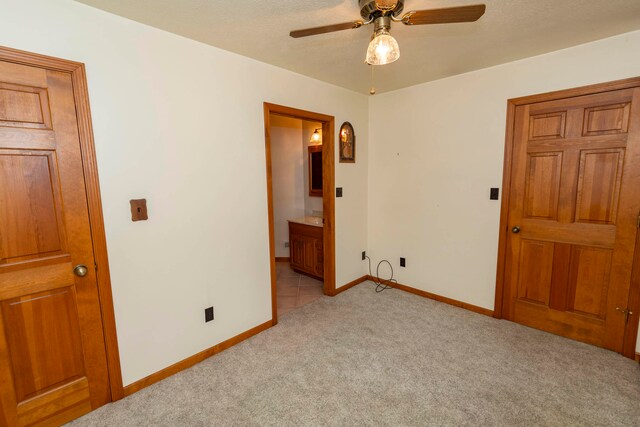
(372, 91)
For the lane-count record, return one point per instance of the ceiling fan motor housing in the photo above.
(369, 10)
(381, 23)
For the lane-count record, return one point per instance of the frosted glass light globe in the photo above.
(383, 49)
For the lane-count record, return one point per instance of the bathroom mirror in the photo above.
(315, 170)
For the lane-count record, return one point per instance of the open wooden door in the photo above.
(573, 212)
(53, 358)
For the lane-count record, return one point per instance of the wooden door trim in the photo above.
(328, 198)
(631, 331)
(94, 202)
(577, 91)
(634, 292)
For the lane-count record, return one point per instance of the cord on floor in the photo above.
(381, 284)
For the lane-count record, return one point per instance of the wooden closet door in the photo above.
(52, 354)
(573, 215)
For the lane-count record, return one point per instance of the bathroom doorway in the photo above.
(300, 191)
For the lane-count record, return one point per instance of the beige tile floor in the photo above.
(295, 289)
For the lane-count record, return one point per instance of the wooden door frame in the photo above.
(631, 331)
(328, 197)
(94, 203)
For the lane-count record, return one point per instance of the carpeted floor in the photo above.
(392, 358)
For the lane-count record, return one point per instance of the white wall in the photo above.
(287, 157)
(180, 123)
(312, 204)
(437, 148)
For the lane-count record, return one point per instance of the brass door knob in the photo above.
(515, 230)
(80, 270)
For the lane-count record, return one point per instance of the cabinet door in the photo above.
(296, 252)
(309, 253)
(319, 255)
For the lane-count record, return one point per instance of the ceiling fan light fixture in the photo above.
(383, 49)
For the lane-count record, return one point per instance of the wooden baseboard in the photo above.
(283, 259)
(638, 357)
(439, 298)
(350, 285)
(196, 358)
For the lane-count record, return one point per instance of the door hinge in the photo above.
(638, 223)
(96, 266)
(626, 313)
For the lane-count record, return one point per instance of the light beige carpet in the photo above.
(394, 359)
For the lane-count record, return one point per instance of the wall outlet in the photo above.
(208, 314)
(286, 244)
(339, 192)
(494, 194)
(403, 262)
(364, 255)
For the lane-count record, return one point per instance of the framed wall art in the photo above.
(347, 143)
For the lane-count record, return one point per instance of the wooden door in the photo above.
(573, 215)
(53, 365)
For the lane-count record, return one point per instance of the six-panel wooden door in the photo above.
(53, 365)
(573, 215)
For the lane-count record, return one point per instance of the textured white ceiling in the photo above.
(509, 30)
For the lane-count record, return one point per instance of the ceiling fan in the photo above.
(383, 48)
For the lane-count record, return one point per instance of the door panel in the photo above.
(575, 198)
(547, 126)
(24, 106)
(588, 280)
(606, 119)
(599, 180)
(536, 261)
(44, 338)
(543, 185)
(52, 352)
(31, 216)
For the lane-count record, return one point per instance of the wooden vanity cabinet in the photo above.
(306, 249)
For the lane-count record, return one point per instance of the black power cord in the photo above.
(381, 284)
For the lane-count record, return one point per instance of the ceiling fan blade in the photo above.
(446, 15)
(325, 29)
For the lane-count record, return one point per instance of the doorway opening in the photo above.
(299, 148)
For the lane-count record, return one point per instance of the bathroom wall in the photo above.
(287, 160)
